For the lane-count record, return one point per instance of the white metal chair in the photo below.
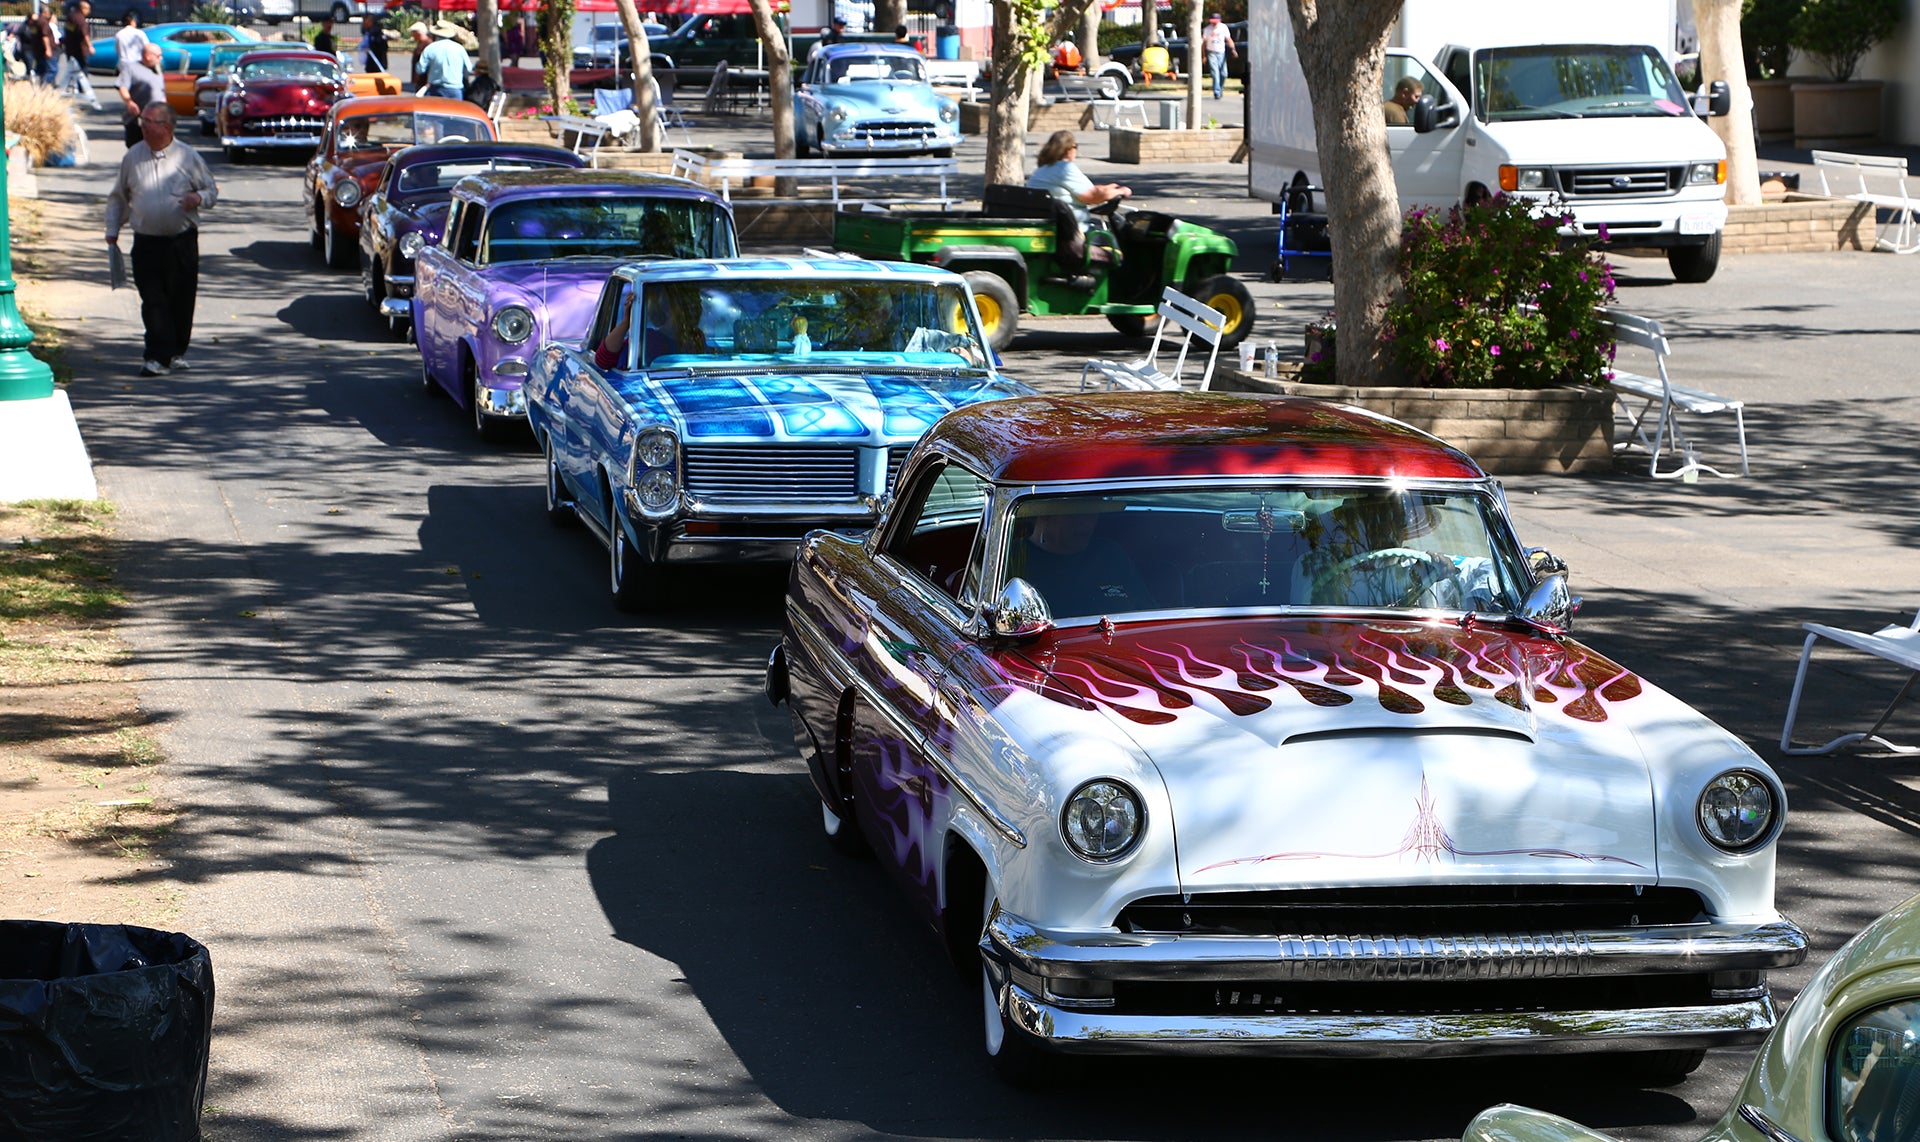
(1177, 312)
(1899, 645)
(1659, 394)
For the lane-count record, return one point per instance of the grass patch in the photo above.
(56, 562)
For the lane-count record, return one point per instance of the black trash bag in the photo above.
(104, 1032)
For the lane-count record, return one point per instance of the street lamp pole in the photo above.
(22, 375)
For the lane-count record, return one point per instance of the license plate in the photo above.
(1699, 223)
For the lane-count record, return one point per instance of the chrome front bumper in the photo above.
(1021, 960)
(507, 403)
(396, 307)
(307, 141)
(741, 532)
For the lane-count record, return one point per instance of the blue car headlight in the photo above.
(838, 115)
(949, 112)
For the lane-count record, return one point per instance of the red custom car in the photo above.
(278, 99)
(359, 135)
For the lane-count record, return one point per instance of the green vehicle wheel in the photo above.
(1134, 324)
(1234, 303)
(999, 308)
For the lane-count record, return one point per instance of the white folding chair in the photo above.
(1896, 644)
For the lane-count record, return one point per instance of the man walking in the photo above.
(159, 191)
(76, 45)
(130, 42)
(323, 39)
(444, 65)
(373, 44)
(1217, 40)
(140, 84)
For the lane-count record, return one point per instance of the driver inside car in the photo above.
(1363, 552)
(1058, 549)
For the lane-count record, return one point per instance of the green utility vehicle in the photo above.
(1025, 252)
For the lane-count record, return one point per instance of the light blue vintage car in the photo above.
(872, 99)
(755, 400)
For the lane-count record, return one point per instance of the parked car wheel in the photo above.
(1694, 264)
(1661, 1068)
(426, 379)
(1227, 295)
(802, 144)
(1134, 324)
(559, 504)
(999, 309)
(341, 13)
(1113, 81)
(492, 429)
(634, 582)
(339, 255)
(373, 281)
(314, 235)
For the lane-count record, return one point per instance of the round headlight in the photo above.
(411, 243)
(236, 107)
(1102, 820)
(1737, 811)
(656, 448)
(347, 193)
(513, 324)
(838, 114)
(949, 112)
(657, 489)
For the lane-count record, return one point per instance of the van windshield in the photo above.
(1563, 81)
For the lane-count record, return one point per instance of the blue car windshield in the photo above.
(862, 323)
(605, 226)
(899, 68)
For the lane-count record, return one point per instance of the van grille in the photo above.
(1610, 182)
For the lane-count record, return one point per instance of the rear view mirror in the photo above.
(1285, 521)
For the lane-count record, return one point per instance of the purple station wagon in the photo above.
(522, 262)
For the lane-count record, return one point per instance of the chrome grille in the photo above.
(776, 473)
(891, 131)
(284, 125)
(895, 458)
(1415, 911)
(1604, 182)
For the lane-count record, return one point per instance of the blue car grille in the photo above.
(772, 473)
(890, 131)
(895, 458)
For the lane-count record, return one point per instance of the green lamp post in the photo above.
(22, 375)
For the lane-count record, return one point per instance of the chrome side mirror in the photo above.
(1550, 605)
(1021, 612)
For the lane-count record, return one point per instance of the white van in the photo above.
(1523, 98)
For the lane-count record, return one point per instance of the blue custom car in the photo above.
(758, 400)
(522, 261)
(183, 47)
(872, 99)
(407, 210)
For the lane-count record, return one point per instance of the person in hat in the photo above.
(445, 65)
(1217, 40)
(837, 34)
(422, 39)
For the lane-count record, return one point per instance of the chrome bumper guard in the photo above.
(396, 307)
(269, 140)
(503, 402)
(1021, 959)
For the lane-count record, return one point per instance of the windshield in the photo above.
(426, 178)
(850, 69)
(317, 70)
(863, 323)
(405, 128)
(605, 226)
(1117, 552)
(1573, 82)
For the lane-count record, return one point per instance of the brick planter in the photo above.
(1133, 145)
(1062, 116)
(1508, 432)
(1808, 224)
(524, 131)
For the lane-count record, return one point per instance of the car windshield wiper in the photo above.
(1530, 112)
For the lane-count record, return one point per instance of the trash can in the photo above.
(946, 40)
(1173, 114)
(104, 1031)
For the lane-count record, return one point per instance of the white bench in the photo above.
(1846, 176)
(1660, 395)
(727, 171)
(1104, 113)
(1896, 644)
(1177, 311)
(579, 134)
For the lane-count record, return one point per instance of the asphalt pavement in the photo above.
(480, 858)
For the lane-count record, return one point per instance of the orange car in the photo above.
(359, 135)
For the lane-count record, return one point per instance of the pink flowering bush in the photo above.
(1493, 297)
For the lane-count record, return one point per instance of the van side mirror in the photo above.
(1427, 116)
(1717, 102)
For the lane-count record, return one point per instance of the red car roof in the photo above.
(388, 104)
(1098, 436)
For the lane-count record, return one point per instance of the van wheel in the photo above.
(1234, 303)
(1476, 194)
(999, 309)
(1695, 264)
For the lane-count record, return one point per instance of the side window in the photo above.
(1402, 82)
(939, 531)
(614, 300)
(1457, 72)
(466, 239)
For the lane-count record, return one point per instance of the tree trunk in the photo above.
(779, 86)
(1342, 50)
(1718, 22)
(1090, 39)
(1023, 34)
(1196, 55)
(642, 79)
(556, 50)
(1149, 24)
(486, 28)
(888, 15)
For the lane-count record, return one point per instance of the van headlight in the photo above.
(1525, 178)
(513, 324)
(1707, 174)
(347, 193)
(1737, 811)
(1102, 820)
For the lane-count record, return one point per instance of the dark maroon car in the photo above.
(408, 209)
(278, 99)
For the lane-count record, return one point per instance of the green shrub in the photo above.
(212, 12)
(1766, 36)
(1839, 32)
(1494, 297)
